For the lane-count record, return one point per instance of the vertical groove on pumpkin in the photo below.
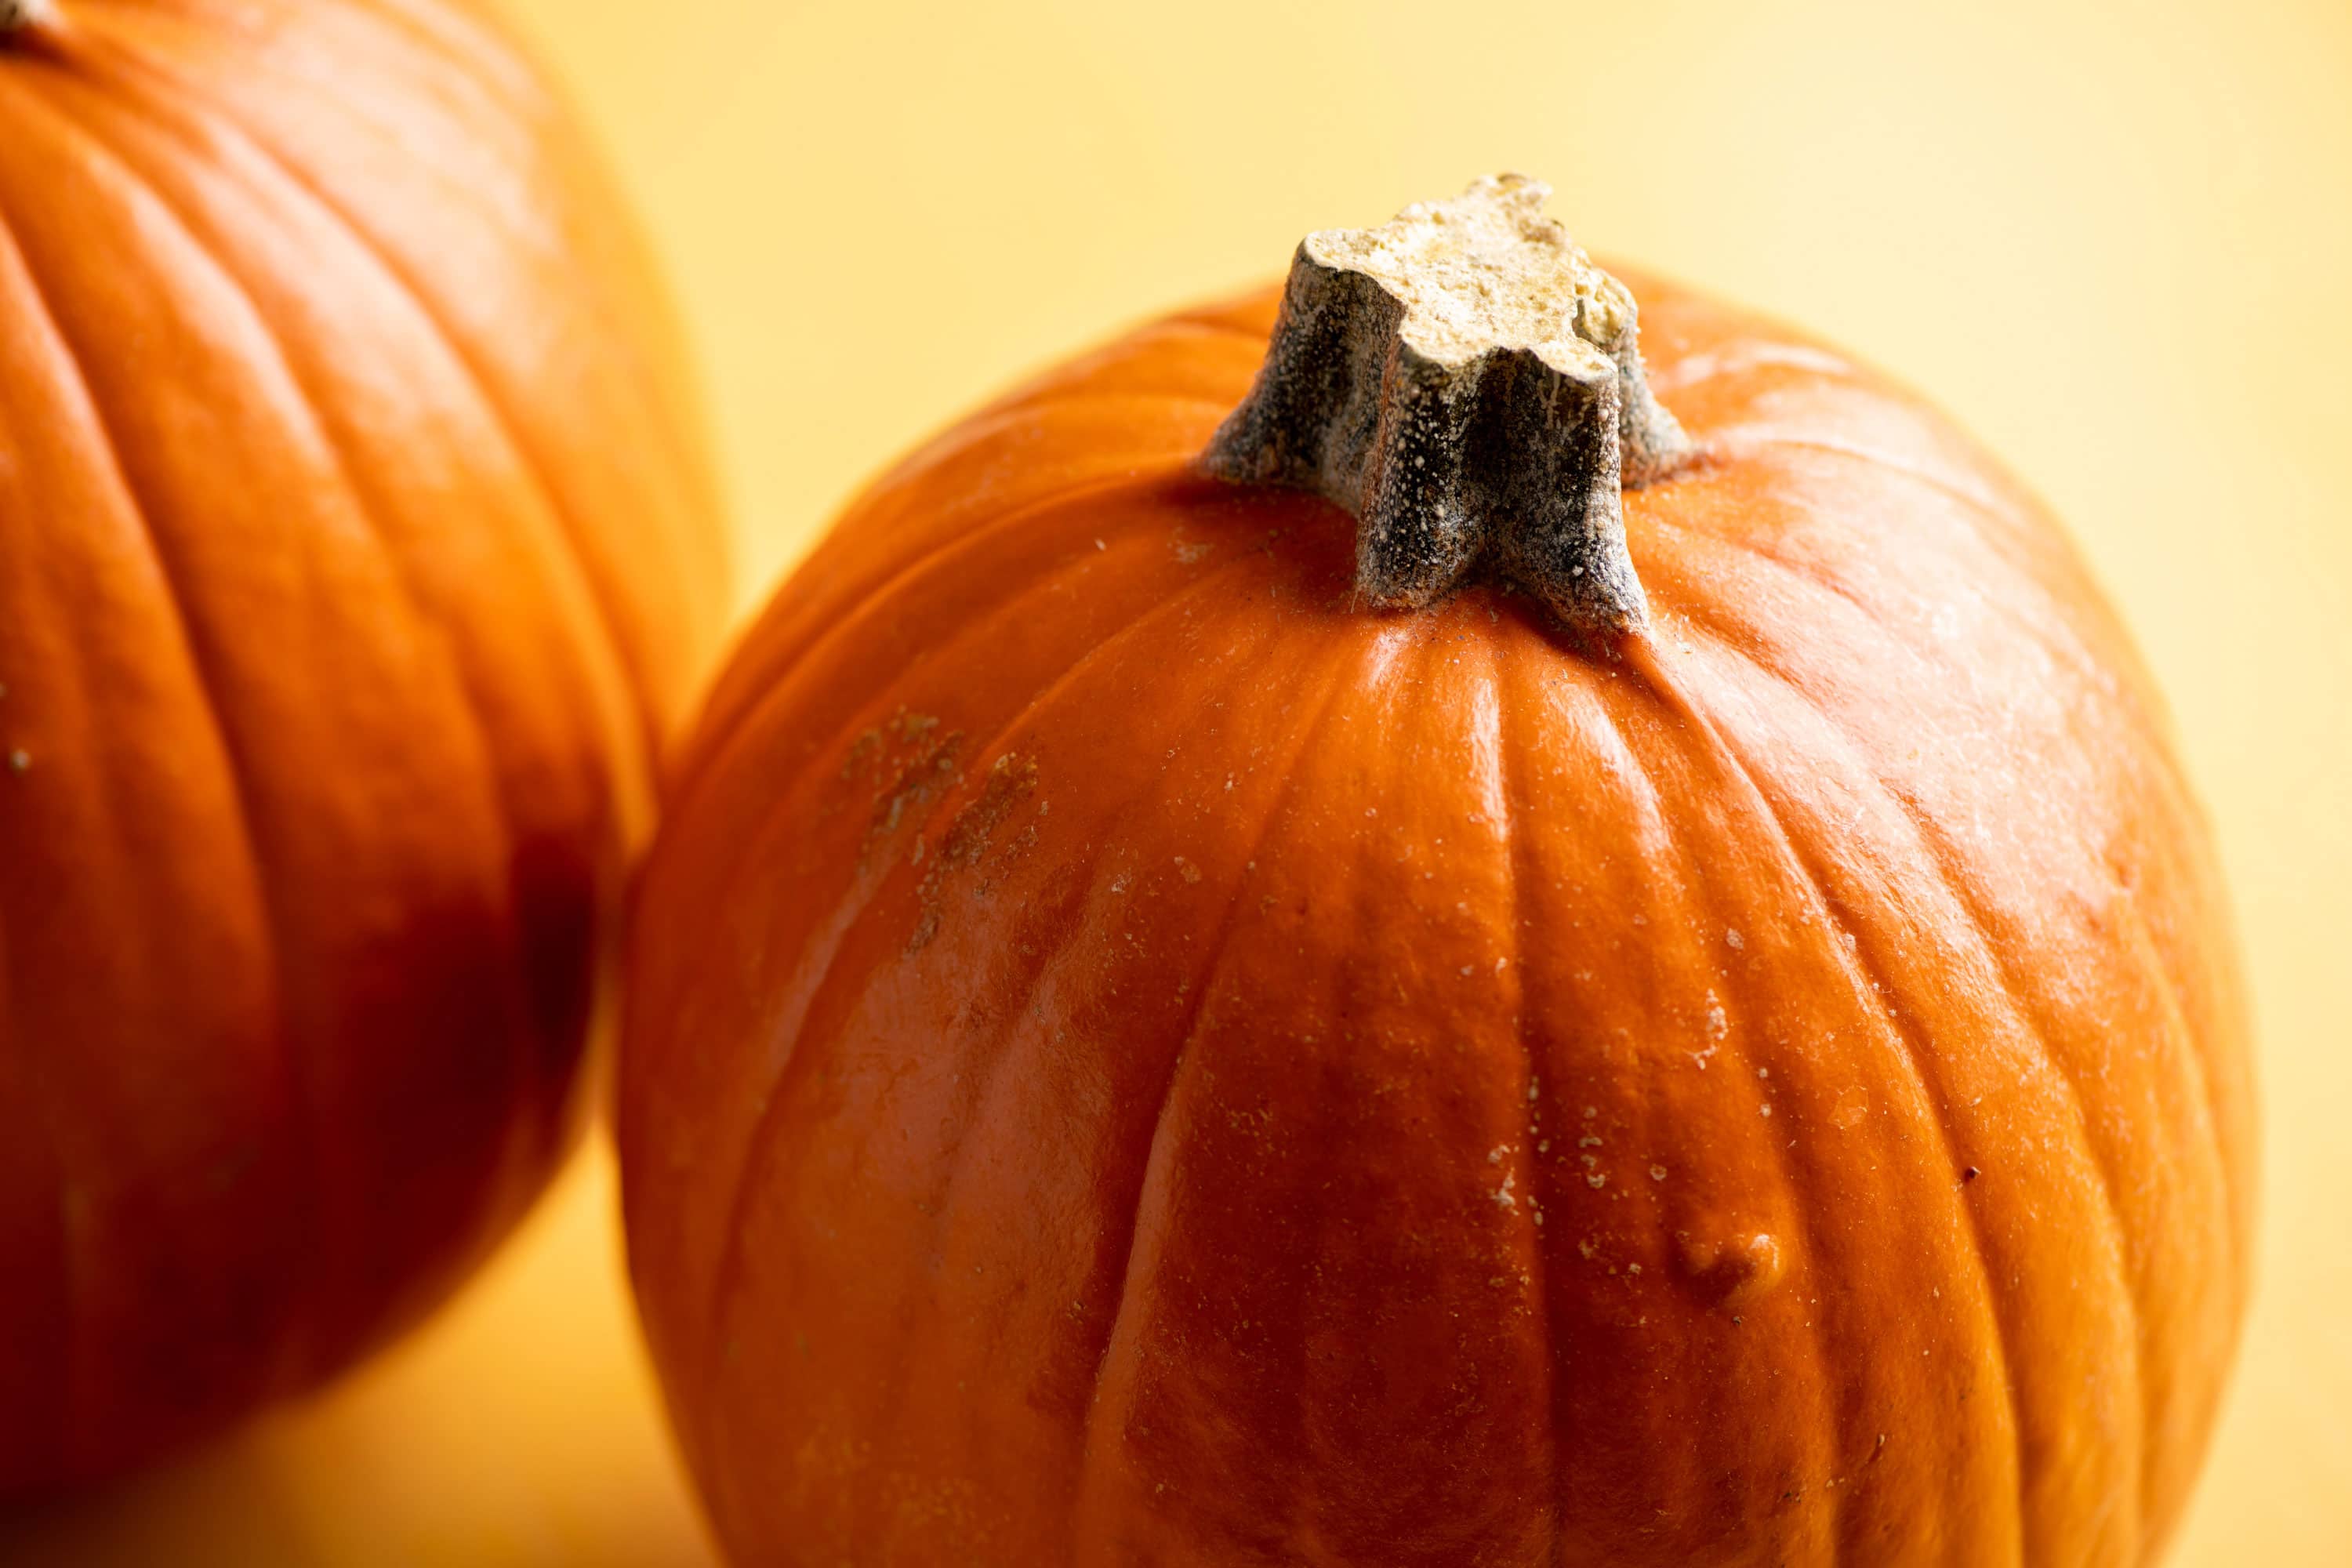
(2160, 979)
(633, 770)
(715, 733)
(1519, 872)
(1933, 839)
(728, 1269)
(1864, 978)
(1755, 549)
(202, 677)
(1284, 795)
(1666, 693)
(1943, 861)
(541, 1111)
(996, 1046)
(648, 741)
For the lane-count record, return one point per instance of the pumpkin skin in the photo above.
(1135, 1058)
(356, 554)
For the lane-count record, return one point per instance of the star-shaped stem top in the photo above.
(1469, 385)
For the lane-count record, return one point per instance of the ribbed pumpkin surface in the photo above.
(1136, 1058)
(355, 552)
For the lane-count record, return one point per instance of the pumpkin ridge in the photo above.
(726, 716)
(179, 123)
(2072, 650)
(1662, 818)
(1515, 869)
(643, 685)
(1862, 973)
(1989, 506)
(1932, 838)
(464, 41)
(997, 1047)
(725, 1276)
(202, 677)
(501, 1197)
(1835, 1517)
(1132, 1210)
(529, 1088)
(2168, 986)
(468, 49)
(2151, 959)
(781, 694)
(1939, 856)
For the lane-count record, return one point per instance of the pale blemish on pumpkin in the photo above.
(20, 760)
(1010, 780)
(909, 763)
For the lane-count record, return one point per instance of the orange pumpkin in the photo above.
(1139, 1054)
(356, 553)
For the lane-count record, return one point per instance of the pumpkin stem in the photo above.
(16, 16)
(1469, 385)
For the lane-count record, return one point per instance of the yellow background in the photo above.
(2116, 239)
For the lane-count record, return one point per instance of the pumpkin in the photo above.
(1417, 922)
(356, 558)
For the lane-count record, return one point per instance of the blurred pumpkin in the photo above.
(356, 554)
(1657, 996)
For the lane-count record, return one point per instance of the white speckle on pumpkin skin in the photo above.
(20, 760)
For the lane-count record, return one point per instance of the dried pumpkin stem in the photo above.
(1469, 385)
(16, 16)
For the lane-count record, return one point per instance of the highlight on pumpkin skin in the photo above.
(1466, 383)
(16, 15)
